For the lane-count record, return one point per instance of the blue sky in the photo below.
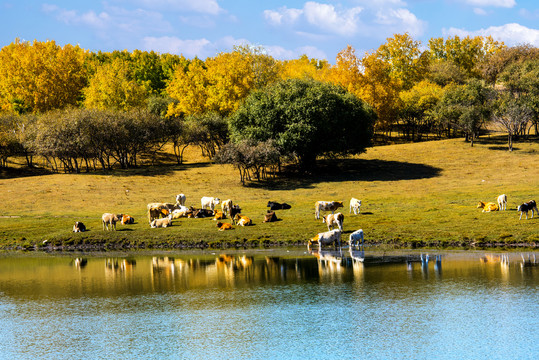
(285, 28)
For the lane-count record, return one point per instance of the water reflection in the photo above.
(267, 304)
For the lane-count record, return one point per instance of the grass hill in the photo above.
(417, 194)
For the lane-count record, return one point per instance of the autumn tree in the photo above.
(113, 87)
(347, 71)
(380, 90)
(468, 53)
(303, 68)
(40, 76)
(220, 83)
(9, 142)
(417, 103)
(407, 64)
(496, 63)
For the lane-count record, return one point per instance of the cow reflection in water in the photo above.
(329, 262)
(80, 263)
(113, 265)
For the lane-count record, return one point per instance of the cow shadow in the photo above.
(348, 170)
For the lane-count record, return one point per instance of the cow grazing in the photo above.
(182, 211)
(79, 227)
(332, 220)
(127, 219)
(270, 216)
(326, 238)
(527, 206)
(326, 206)
(209, 202)
(273, 205)
(226, 205)
(502, 202)
(355, 237)
(355, 205)
(180, 199)
(162, 223)
(224, 226)
(242, 220)
(110, 219)
(487, 206)
(234, 210)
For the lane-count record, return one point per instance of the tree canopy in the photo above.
(305, 118)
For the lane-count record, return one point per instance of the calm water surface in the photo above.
(270, 305)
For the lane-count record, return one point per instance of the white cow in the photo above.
(157, 223)
(182, 211)
(226, 205)
(502, 202)
(209, 202)
(333, 220)
(355, 237)
(326, 238)
(180, 198)
(355, 205)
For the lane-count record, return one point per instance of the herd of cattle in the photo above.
(502, 205)
(161, 215)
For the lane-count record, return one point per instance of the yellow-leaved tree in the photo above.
(113, 87)
(379, 89)
(467, 53)
(347, 71)
(40, 76)
(303, 68)
(406, 61)
(220, 83)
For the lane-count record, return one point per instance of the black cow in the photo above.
(527, 206)
(273, 205)
(234, 210)
(270, 216)
(79, 227)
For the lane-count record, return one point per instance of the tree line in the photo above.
(88, 110)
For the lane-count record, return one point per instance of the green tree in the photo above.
(417, 103)
(306, 119)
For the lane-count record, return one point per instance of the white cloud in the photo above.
(479, 11)
(493, 3)
(282, 16)
(510, 34)
(200, 6)
(111, 19)
(173, 45)
(321, 16)
(344, 22)
(401, 19)
(280, 53)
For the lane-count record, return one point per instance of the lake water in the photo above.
(270, 305)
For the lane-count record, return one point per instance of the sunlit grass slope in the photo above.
(419, 194)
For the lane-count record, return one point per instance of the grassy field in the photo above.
(414, 195)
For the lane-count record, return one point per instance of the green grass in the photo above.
(414, 195)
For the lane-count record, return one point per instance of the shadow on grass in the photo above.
(12, 173)
(350, 170)
(143, 170)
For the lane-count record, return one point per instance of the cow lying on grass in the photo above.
(224, 226)
(487, 206)
(273, 205)
(162, 223)
(270, 216)
(79, 227)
